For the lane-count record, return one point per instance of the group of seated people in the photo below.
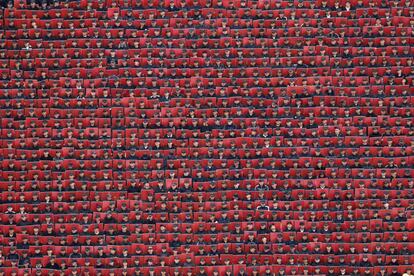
(206, 137)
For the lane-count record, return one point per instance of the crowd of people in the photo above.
(206, 137)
